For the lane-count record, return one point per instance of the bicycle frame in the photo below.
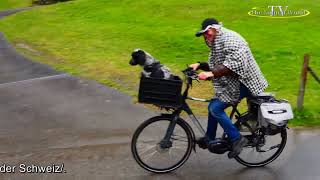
(185, 107)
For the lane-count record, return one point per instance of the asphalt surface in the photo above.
(49, 117)
(12, 11)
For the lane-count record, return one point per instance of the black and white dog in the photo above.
(151, 66)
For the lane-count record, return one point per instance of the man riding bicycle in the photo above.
(235, 75)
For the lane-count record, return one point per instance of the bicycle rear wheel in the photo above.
(148, 152)
(262, 149)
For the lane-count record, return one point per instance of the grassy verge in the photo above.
(12, 4)
(94, 39)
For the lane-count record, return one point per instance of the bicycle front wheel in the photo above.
(149, 153)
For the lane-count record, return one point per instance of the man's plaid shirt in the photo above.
(231, 50)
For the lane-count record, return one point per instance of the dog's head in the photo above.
(141, 57)
(138, 57)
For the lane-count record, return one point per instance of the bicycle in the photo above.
(173, 139)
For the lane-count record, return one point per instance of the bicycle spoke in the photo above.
(179, 138)
(271, 148)
(147, 141)
(148, 149)
(178, 148)
(149, 155)
(170, 156)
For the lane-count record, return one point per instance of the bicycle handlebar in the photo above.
(190, 73)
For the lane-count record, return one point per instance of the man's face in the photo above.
(209, 36)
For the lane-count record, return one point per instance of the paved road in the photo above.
(51, 117)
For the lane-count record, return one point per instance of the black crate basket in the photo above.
(160, 92)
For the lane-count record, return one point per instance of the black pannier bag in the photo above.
(160, 92)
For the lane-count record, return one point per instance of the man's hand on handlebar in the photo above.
(194, 66)
(205, 75)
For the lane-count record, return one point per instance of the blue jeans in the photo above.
(217, 115)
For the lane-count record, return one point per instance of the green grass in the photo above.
(94, 39)
(12, 4)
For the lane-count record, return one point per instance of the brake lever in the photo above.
(194, 77)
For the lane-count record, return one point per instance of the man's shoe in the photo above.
(203, 142)
(237, 147)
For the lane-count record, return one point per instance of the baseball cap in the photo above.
(207, 24)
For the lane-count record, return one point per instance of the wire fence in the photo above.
(314, 75)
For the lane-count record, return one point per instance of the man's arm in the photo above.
(218, 71)
(221, 70)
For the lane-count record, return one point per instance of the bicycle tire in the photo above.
(282, 145)
(190, 142)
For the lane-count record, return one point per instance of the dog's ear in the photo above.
(138, 57)
(133, 60)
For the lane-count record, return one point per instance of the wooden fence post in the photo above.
(303, 81)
